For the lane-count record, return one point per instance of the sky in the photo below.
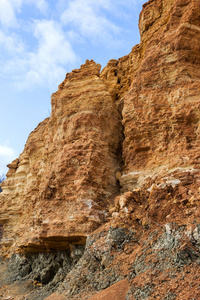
(41, 41)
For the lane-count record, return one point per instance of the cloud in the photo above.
(98, 21)
(8, 10)
(90, 20)
(53, 53)
(11, 43)
(41, 5)
(7, 155)
(42, 63)
(39, 52)
(47, 64)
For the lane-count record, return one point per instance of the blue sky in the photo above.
(42, 40)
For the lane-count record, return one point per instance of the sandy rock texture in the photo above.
(109, 184)
(159, 93)
(55, 193)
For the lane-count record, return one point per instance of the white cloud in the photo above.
(8, 10)
(51, 52)
(7, 155)
(42, 5)
(11, 43)
(6, 151)
(89, 19)
(47, 64)
(94, 20)
(54, 51)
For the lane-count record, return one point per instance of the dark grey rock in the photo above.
(50, 269)
(139, 293)
(186, 256)
(120, 236)
(170, 296)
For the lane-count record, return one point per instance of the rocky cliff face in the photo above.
(161, 107)
(117, 163)
(56, 191)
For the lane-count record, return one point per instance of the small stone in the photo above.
(115, 214)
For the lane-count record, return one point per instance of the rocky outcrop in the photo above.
(161, 108)
(56, 192)
(115, 170)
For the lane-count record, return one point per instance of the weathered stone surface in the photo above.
(157, 88)
(161, 112)
(56, 193)
(116, 167)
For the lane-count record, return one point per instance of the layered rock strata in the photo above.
(159, 94)
(117, 165)
(55, 193)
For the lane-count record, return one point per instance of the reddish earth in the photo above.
(115, 292)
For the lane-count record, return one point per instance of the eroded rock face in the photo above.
(161, 114)
(55, 194)
(157, 89)
(116, 167)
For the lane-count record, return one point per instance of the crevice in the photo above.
(1, 233)
(119, 106)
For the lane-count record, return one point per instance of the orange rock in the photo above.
(116, 291)
(57, 192)
(162, 108)
(56, 296)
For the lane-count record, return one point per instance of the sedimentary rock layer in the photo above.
(161, 108)
(56, 192)
(117, 167)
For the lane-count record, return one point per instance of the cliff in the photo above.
(58, 188)
(106, 196)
